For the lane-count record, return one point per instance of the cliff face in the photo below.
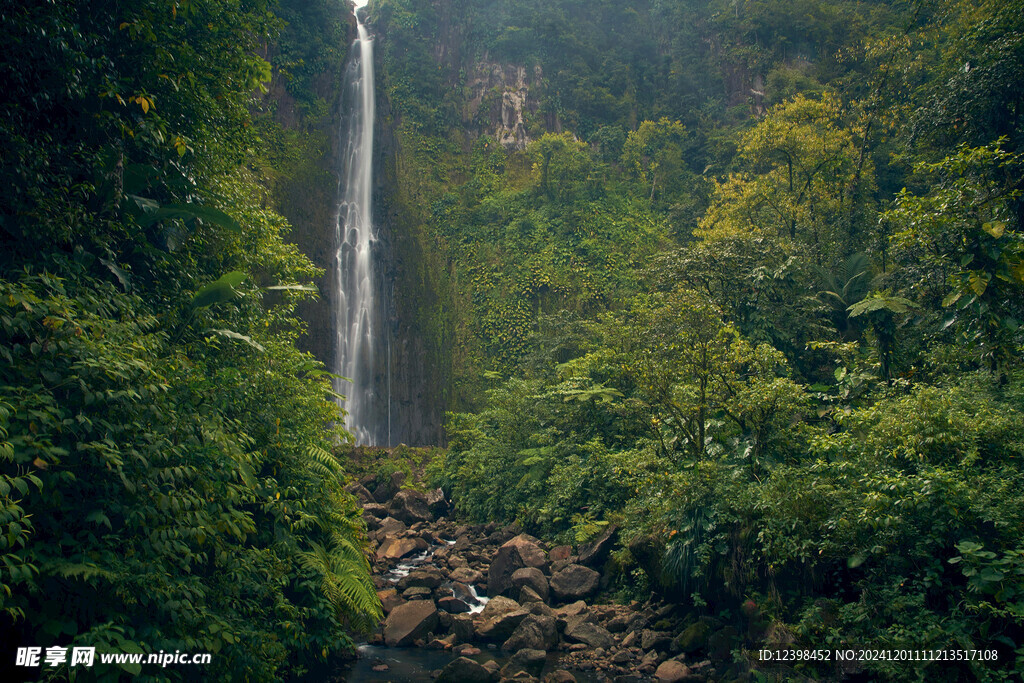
(500, 101)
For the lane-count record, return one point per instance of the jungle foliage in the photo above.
(752, 292)
(166, 474)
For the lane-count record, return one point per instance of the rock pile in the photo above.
(430, 572)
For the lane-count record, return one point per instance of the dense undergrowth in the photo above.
(166, 477)
(752, 292)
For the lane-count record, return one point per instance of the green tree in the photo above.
(799, 180)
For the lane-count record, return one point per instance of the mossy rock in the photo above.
(694, 637)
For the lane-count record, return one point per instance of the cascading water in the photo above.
(357, 315)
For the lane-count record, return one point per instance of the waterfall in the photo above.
(356, 309)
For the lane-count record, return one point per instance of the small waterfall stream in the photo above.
(357, 313)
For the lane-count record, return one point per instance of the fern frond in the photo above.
(345, 582)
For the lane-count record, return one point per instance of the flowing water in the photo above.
(356, 307)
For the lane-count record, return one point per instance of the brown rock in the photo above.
(533, 633)
(389, 599)
(466, 575)
(521, 551)
(560, 553)
(389, 487)
(498, 606)
(409, 622)
(463, 628)
(530, 661)
(532, 577)
(596, 554)
(445, 643)
(410, 507)
(527, 595)
(672, 671)
(501, 627)
(464, 670)
(416, 593)
(427, 578)
(377, 510)
(392, 527)
(452, 605)
(396, 548)
(360, 492)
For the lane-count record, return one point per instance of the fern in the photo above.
(345, 581)
(324, 463)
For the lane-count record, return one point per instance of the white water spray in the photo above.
(356, 309)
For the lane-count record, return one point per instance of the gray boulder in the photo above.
(589, 634)
(410, 507)
(530, 661)
(464, 670)
(532, 577)
(533, 633)
(575, 582)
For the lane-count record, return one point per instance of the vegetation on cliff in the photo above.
(753, 290)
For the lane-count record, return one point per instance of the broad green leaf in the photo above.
(219, 291)
(296, 288)
(230, 334)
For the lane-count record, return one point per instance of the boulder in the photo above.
(396, 548)
(452, 605)
(427, 578)
(533, 633)
(390, 526)
(466, 575)
(532, 577)
(389, 487)
(694, 637)
(463, 628)
(416, 593)
(655, 640)
(575, 582)
(560, 553)
(527, 595)
(437, 503)
(445, 643)
(672, 671)
(464, 670)
(409, 622)
(516, 553)
(410, 507)
(498, 606)
(596, 554)
(530, 661)
(462, 592)
(560, 676)
(360, 492)
(589, 634)
(501, 627)
(389, 599)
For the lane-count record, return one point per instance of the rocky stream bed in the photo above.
(467, 603)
